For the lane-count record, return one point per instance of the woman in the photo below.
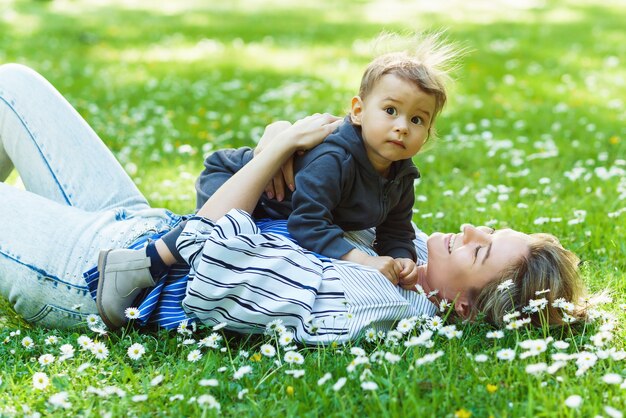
(78, 200)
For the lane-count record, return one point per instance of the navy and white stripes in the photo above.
(247, 278)
(247, 274)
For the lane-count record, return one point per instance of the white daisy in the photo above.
(40, 380)
(573, 401)
(93, 320)
(537, 368)
(194, 355)
(156, 380)
(505, 285)
(444, 304)
(405, 325)
(268, 350)
(99, 350)
(67, 351)
(59, 400)
(295, 373)
(560, 345)
(209, 401)
(51, 340)
(209, 382)
(241, 372)
(481, 358)
(272, 326)
(339, 384)
(293, 357)
(392, 358)
(510, 316)
(135, 351)
(84, 342)
(242, 393)
(370, 335)
(495, 334)
(83, 367)
(612, 379)
(28, 343)
(46, 359)
(612, 412)
(285, 338)
(324, 379)
(506, 354)
(131, 313)
(357, 351)
(428, 358)
(586, 359)
(601, 338)
(369, 386)
(434, 323)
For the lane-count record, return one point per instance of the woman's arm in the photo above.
(242, 191)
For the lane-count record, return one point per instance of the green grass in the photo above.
(163, 85)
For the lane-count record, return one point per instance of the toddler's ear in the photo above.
(357, 110)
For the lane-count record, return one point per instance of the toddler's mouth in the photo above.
(399, 144)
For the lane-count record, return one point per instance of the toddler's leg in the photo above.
(168, 251)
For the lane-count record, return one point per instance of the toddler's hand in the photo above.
(386, 265)
(407, 277)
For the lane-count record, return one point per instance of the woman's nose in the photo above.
(473, 234)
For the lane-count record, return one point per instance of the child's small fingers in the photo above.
(269, 190)
(279, 186)
(288, 175)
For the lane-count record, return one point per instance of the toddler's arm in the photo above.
(394, 237)
(219, 167)
(318, 192)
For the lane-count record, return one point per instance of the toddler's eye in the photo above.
(417, 120)
(391, 111)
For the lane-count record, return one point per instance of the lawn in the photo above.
(534, 138)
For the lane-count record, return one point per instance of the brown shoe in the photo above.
(123, 274)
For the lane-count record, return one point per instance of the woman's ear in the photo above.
(356, 111)
(462, 306)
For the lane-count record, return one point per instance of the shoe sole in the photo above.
(102, 259)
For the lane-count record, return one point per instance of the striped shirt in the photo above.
(248, 273)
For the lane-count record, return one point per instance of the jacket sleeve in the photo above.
(318, 192)
(218, 168)
(394, 237)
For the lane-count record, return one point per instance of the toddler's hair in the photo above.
(425, 61)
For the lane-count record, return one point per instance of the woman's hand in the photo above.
(309, 131)
(283, 177)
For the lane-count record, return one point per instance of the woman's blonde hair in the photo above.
(547, 265)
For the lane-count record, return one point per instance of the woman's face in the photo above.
(471, 259)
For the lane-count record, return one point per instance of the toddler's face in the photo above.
(395, 120)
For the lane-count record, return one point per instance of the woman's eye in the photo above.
(476, 252)
(417, 120)
(391, 111)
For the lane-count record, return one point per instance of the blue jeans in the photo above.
(78, 200)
